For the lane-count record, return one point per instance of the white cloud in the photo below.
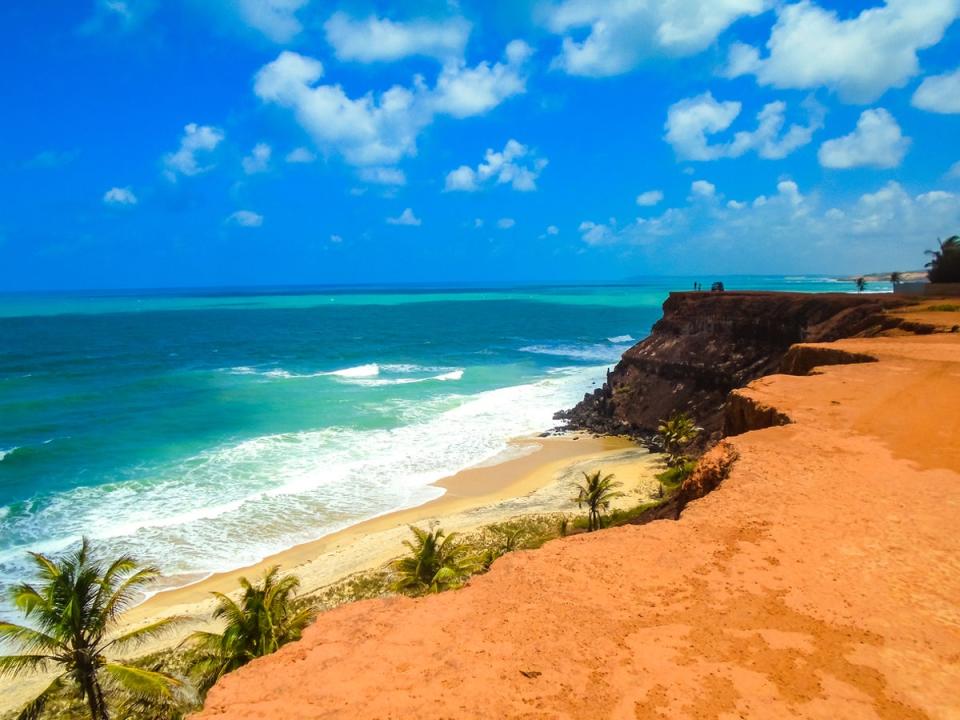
(501, 168)
(258, 160)
(245, 218)
(381, 129)
(300, 155)
(477, 223)
(464, 91)
(954, 171)
(691, 121)
(120, 196)
(373, 39)
(383, 176)
(939, 93)
(277, 19)
(876, 142)
(336, 239)
(790, 229)
(860, 57)
(196, 139)
(649, 198)
(552, 230)
(622, 33)
(506, 223)
(405, 218)
(702, 188)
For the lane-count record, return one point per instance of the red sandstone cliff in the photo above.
(707, 344)
(820, 580)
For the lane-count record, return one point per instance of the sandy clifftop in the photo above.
(821, 580)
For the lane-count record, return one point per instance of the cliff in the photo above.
(708, 344)
(819, 580)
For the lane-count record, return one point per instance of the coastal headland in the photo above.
(820, 579)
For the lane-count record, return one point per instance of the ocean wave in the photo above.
(4, 452)
(621, 339)
(588, 353)
(380, 382)
(233, 505)
(369, 370)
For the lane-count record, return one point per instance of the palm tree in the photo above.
(894, 278)
(72, 610)
(596, 492)
(675, 434)
(944, 265)
(267, 616)
(435, 562)
(861, 284)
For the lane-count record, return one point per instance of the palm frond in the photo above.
(140, 682)
(28, 639)
(13, 665)
(147, 632)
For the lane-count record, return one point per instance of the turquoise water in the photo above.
(204, 431)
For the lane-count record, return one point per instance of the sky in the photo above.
(201, 143)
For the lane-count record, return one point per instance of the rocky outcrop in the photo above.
(708, 344)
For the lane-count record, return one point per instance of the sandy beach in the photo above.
(533, 477)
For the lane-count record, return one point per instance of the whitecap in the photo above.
(621, 339)
(370, 370)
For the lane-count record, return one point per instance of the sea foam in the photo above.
(232, 505)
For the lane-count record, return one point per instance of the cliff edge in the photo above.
(819, 580)
(707, 344)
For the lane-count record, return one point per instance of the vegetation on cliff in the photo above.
(944, 265)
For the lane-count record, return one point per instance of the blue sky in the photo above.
(237, 142)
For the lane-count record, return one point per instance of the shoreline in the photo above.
(532, 477)
(475, 487)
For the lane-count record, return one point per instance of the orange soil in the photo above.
(821, 580)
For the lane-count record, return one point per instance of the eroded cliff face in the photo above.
(708, 344)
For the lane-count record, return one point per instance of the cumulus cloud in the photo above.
(620, 34)
(860, 57)
(954, 171)
(649, 198)
(514, 165)
(552, 230)
(383, 176)
(380, 129)
(245, 218)
(790, 228)
(506, 223)
(375, 39)
(120, 196)
(277, 19)
(405, 218)
(876, 142)
(703, 189)
(939, 93)
(300, 155)
(258, 160)
(196, 140)
(691, 122)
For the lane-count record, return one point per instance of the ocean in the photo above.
(202, 431)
